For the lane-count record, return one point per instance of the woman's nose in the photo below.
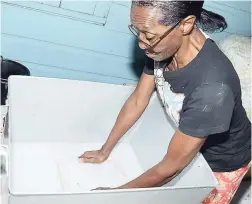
(142, 45)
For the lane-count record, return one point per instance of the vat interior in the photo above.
(50, 167)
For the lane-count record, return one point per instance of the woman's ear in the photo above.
(187, 25)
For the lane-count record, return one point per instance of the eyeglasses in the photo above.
(150, 48)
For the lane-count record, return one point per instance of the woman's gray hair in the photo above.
(173, 11)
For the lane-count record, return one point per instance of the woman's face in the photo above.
(146, 21)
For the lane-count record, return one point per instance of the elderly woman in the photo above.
(200, 91)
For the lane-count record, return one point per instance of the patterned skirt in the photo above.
(229, 182)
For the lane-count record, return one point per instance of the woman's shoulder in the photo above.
(216, 67)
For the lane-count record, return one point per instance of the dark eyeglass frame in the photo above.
(150, 48)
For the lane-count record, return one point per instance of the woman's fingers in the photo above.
(101, 188)
(90, 160)
(93, 157)
(89, 154)
(86, 160)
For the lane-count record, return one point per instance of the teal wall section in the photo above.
(88, 40)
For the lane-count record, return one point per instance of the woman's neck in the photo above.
(190, 48)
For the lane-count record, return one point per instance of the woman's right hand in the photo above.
(95, 156)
